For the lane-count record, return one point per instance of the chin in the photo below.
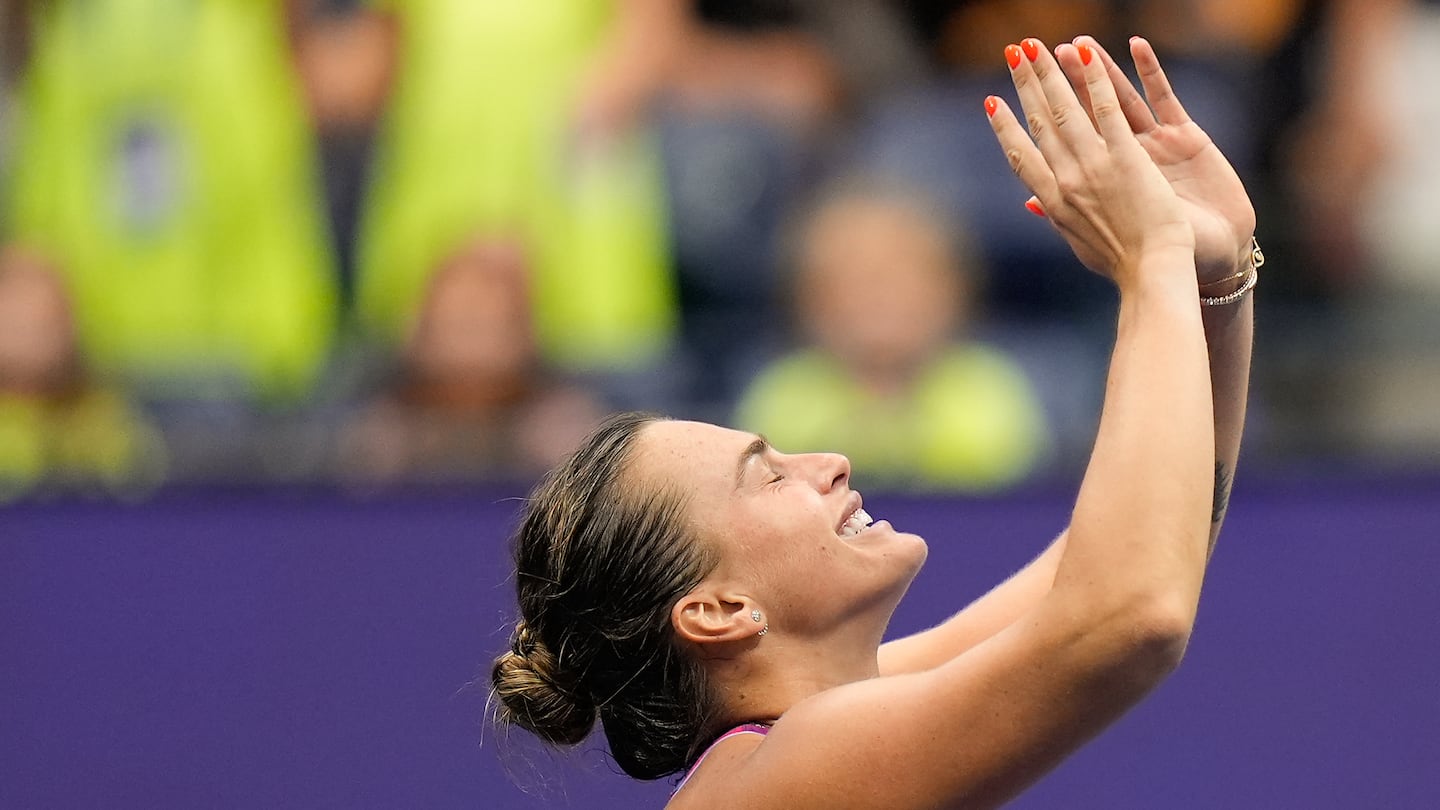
(921, 551)
(913, 545)
(909, 554)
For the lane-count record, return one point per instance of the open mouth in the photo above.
(854, 523)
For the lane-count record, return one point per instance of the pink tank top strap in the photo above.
(748, 728)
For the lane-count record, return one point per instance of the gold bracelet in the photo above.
(1222, 282)
(1230, 298)
(1251, 275)
(1257, 258)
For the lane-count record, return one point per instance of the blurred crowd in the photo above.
(316, 241)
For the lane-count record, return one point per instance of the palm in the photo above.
(1211, 193)
(1213, 197)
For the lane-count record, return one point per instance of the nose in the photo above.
(828, 470)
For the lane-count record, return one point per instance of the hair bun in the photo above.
(536, 695)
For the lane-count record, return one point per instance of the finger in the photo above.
(1025, 158)
(1104, 102)
(1137, 112)
(1066, 111)
(1157, 87)
(1069, 60)
(1033, 103)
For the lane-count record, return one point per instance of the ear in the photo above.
(708, 616)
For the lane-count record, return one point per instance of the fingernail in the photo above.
(992, 103)
(1012, 55)
(1086, 53)
(1032, 48)
(1034, 207)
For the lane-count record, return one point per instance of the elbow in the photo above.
(1159, 635)
(1132, 643)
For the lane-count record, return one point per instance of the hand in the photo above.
(1211, 194)
(1098, 185)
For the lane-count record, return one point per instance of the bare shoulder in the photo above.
(716, 780)
(802, 761)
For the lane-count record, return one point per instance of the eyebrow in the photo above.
(755, 448)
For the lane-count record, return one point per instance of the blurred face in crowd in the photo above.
(475, 324)
(878, 286)
(37, 341)
(345, 58)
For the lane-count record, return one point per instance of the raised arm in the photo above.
(1219, 209)
(979, 728)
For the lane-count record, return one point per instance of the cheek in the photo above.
(784, 551)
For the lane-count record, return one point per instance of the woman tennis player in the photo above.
(719, 605)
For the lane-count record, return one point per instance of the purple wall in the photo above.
(277, 651)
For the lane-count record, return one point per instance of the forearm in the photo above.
(1229, 332)
(1138, 533)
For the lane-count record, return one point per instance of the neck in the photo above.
(762, 683)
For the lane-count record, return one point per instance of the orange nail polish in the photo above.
(1031, 47)
(1034, 208)
(991, 104)
(1012, 55)
(1086, 53)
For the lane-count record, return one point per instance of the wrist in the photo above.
(1233, 288)
(1170, 268)
(1213, 277)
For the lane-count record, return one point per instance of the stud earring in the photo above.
(755, 616)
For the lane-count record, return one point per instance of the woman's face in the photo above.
(779, 523)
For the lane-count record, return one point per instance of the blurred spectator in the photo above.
(746, 117)
(60, 429)
(885, 296)
(1368, 181)
(164, 166)
(471, 399)
(527, 119)
(1364, 175)
(345, 53)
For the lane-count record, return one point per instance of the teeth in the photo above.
(855, 524)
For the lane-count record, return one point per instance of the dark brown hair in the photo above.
(599, 563)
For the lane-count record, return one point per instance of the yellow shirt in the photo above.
(969, 422)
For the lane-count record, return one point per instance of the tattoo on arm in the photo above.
(1222, 493)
